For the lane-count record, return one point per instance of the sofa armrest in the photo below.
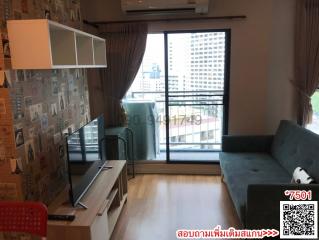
(246, 143)
(263, 203)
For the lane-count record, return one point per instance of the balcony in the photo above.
(195, 124)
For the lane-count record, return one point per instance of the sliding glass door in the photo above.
(178, 103)
(196, 94)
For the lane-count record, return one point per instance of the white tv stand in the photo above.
(104, 200)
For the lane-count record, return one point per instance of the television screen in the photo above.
(86, 157)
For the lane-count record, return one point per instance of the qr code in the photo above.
(298, 219)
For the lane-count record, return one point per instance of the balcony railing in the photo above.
(195, 118)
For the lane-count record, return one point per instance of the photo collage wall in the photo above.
(37, 109)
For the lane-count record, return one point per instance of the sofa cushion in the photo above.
(295, 146)
(242, 169)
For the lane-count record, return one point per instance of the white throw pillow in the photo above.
(300, 176)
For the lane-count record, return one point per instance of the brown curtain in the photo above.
(306, 57)
(125, 47)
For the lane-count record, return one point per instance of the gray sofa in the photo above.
(258, 169)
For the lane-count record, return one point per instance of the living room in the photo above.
(158, 119)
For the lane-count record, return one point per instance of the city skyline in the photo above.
(196, 63)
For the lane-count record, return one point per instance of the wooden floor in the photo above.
(158, 205)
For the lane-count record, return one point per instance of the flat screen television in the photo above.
(86, 157)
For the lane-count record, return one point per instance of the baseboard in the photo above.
(165, 168)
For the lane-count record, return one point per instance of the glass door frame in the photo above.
(226, 89)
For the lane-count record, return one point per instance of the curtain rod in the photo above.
(97, 23)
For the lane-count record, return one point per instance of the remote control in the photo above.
(61, 217)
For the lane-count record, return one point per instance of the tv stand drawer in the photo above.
(100, 227)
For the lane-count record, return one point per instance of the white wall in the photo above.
(281, 67)
(261, 56)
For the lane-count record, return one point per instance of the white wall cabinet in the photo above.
(44, 44)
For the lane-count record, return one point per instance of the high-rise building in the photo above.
(178, 62)
(207, 57)
(195, 62)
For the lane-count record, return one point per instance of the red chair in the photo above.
(26, 217)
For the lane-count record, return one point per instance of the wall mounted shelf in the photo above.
(44, 44)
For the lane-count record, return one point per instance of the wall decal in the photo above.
(6, 48)
(87, 117)
(55, 86)
(16, 165)
(29, 151)
(20, 75)
(7, 9)
(54, 109)
(61, 101)
(44, 122)
(35, 111)
(18, 134)
(31, 133)
(7, 79)
(47, 14)
(82, 108)
(65, 132)
(71, 129)
(61, 152)
(18, 97)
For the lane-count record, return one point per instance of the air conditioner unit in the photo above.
(164, 6)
